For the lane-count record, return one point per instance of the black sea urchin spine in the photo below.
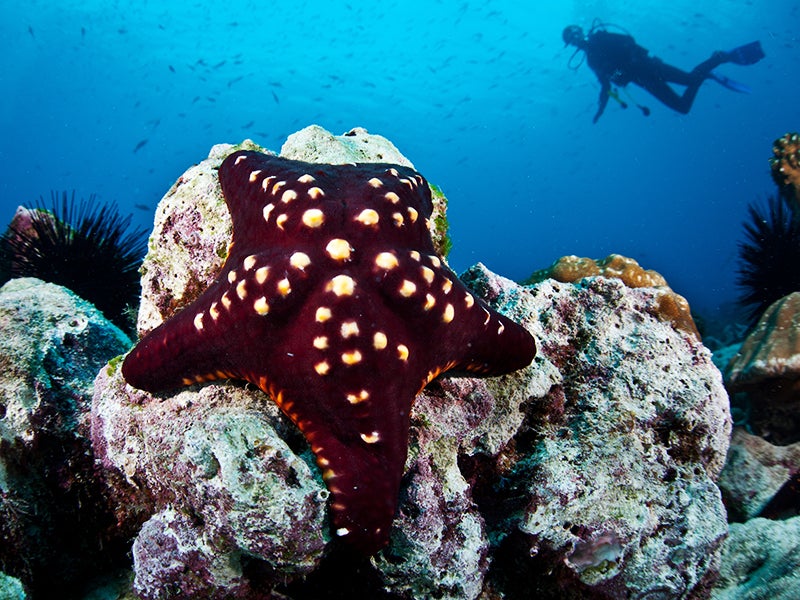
(769, 256)
(83, 246)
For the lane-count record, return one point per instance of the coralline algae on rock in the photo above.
(211, 469)
(617, 463)
(53, 516)
(759, 560)
(754, 471)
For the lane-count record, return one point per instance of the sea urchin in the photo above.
(83, 246)
(769, 256)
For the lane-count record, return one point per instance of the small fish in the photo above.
(235, 79)
(139, 146)
(171, 68)
(83, 32)
(30, 30)
(219, 64)
(248, 125)
(274, 95)
(142, 207)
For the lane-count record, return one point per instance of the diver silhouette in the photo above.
(618, 60)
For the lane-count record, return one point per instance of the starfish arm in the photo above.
(347, 374)
(361, 446)
(203, 342)
(470, 336)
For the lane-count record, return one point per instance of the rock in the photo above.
(172, 553)
(439, 546)
(612, 473)
(759, 560)
(315, 144)
(11, 588)
(54, 520)
(767, 369)
(755, 470)
(218, 481)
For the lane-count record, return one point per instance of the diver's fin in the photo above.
(749, 54)
(731, 84)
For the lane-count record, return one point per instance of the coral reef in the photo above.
(785, 165)
(671, 306)
(498, 470)
(769, 256)
(589, 474)
(84, 246)
(55, 523)
(767, 368)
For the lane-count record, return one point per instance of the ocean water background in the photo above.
(119, 98)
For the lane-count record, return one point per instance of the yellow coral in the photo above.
(670, 306)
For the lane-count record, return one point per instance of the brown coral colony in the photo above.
(785, 164)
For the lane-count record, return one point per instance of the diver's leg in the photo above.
(674, 74)
(667, 96)
(681, 77)
(661, 73)
(705, 67)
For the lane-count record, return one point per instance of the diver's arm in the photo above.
(602, 100)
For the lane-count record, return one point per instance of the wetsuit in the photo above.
(617, 59)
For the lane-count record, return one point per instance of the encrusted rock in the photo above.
(173, 552)
(53, 516)
(613, 471)
(189, 242)
(211, 468)
(767, 369)
(755, 470)
(315, 144)
(440, 546)
(759, 560)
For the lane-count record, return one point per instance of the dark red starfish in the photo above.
(333, 301)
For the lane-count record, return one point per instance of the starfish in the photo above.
(332, 300)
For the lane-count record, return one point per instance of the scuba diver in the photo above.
(618, 60)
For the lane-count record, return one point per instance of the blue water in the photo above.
(477, 95)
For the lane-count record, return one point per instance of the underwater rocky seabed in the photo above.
(597, 472)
